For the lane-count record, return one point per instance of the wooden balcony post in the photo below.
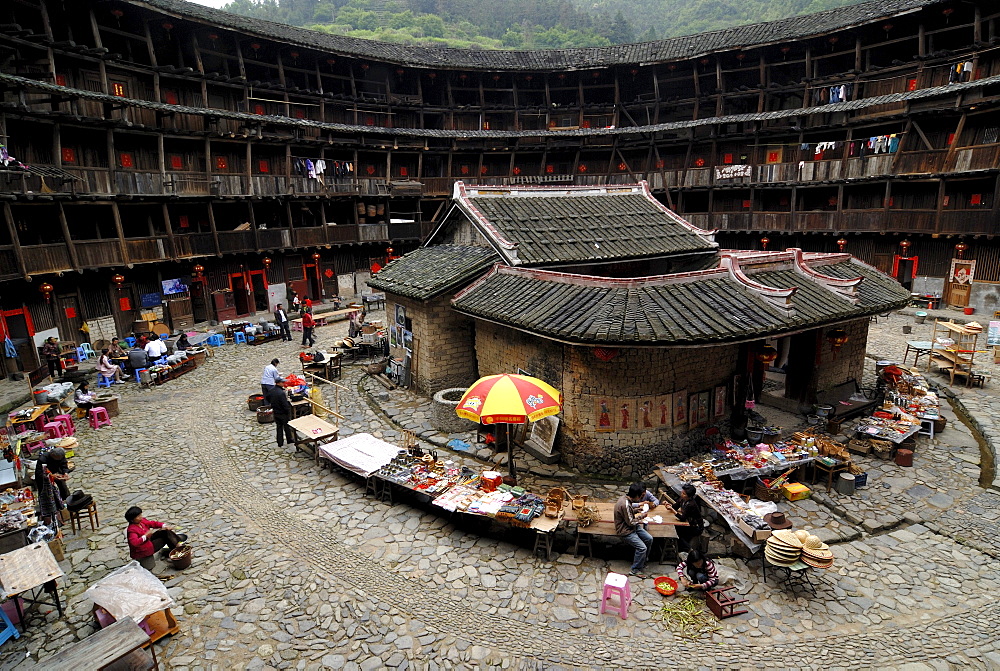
(121, 234)
(215, 234)
(69, 241)
(8, 215)
(170, 231)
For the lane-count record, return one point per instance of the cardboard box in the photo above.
(756, 535)
(795, 491)
(56, 545)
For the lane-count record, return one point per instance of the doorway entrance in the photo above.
(258, 288)
(199, 301)
(238, 285)
(18, 326)
(315, 291)
(68, 316)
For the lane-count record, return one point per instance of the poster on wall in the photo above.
(602, 411)
(692, 411)
(720, 401)
(626, 414)
(400, 316)
(408, 341)
(962, 271)
(392, 337)
(993, 334)
(646, 409)
(542, 434)
(703, 401)
(680, 408)
(661, 411)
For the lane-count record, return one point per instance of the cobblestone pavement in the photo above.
(296, 568)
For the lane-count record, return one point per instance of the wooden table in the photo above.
(839, 467)
(36, 417)
(25, 570)
(313, 431)
(606, 527)
(120, 642)
(919, 348)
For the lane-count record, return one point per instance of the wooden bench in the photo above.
(118, 645)
(839, 398)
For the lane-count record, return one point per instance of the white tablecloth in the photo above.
(361, 453)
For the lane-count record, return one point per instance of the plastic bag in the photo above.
(130, 591)
(761, 508)
(41, 534)
(316, 396)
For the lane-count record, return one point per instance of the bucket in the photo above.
(813, 419)
(907, 330)
(771, 436)
(265, 414)
(754, 435)
(180, 557)
(254, 401)
(371, 211)
(41, 397)
(904, 457)
(969, 311)
(919, 317)
(361, 208)
(823, 410)
(846, 484)
(879, 365)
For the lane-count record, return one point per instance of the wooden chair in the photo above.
(723, 605)
(409, 439)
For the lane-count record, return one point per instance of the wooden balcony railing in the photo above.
(342, 233)
(305, 237)
(373, 233)
(274, 238)
(194, 244)
(141, 183)
(236, 241)
(8, 262)
(146, 249)
(98, 253)
(46, 258)
(404, 231)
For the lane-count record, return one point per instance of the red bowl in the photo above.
(665, 586)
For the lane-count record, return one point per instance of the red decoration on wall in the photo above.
(622, 167)
(977, 199)
(483, 170)
(124, 304)
(328, 274)
(370, 169)
(183, 221)
(699, 163)
(727, 158)
(299, 114)
(60, 80)
(660, 163)
(258, 110)
(911, 85)
(369, 121)
(746, 204)
(404, 171)
(263, 166)
(582, 167)
(221, 163)
(464, 170)
(549, 169)
(118, 89)
(68, 155)
(951, 138)
(70, 313)
(126, 160)
(586, 123)
(170, 97)
(176, 162)
(773, 156)
(517, 170)
(375, 267)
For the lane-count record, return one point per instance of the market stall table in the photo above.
(796, 575)
(919, 348)
(36, 417)
(27, 569)
(664, 530)
(313, 431)
(119, 646)
(361, 453)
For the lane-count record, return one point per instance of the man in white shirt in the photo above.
(281, 319)
(155, 348)
(270, 377)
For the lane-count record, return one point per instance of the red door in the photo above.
(238, 284)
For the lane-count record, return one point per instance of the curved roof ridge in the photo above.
(674, 48)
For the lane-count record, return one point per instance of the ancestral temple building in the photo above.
(152, 141)
(651, 332)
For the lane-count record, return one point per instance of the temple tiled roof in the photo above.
(551, 225)
(431, 271)
(733, 303)
(688, 46)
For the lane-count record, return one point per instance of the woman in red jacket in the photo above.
(145, 537)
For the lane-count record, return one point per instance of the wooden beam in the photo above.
(920, 133)
(64, 225)
(8, 214)
(121, 234)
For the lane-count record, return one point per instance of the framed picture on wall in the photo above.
(692, 411)
(542, 434)
(400, 316)
(646, 413)
(662, 408)
(720, 401)
(392, 337)
(679, 411)
(625, 417)
(704, 398)
(604, 414)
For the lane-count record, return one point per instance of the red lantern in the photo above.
(118, 280)
(267, 262)
(841, 243)
(764, 242)
(198, 270)
(905, 246)
(47, 290)
(767, 354)
(294, 54)
(316, 257)
(960, 249)
(838, 338)
(117, 13)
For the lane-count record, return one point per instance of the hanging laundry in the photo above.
(310, 169)
(319, 167)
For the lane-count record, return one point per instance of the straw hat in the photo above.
(802, 535)
(777, 520)
(786, 537)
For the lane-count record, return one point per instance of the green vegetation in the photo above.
(522, 24)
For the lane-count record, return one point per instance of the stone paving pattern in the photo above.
(296, 568)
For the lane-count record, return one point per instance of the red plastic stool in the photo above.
(55, 430)
(69, 428)
(99, 417)
(617, 584)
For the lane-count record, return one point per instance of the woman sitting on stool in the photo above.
(83, 398)
(145, 537)
(697, 572)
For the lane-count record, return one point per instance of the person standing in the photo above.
(628, 525)
(270, 377)
(50, 350)
(296, 303)
(281, 319)
(282, 409)
(51, 474)
(308, 324)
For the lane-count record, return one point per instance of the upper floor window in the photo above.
(118, 89)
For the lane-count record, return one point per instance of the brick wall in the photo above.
(834, 368)
(642, 379)
(444, 355)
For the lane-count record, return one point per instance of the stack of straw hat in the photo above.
(816, 553)
(783, 547)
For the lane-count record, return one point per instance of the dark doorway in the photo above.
(258, 285)
(800, 370)
(904, 273)
(69, 318)
(199, 303)
(315, 291)
(238, 284)
(16, 326)
(124, 307)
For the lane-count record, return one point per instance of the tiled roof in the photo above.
(688, 46)
(430, 271)
(253, 120)
(705, 307)
(547, 225)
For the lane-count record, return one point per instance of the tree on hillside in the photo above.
(620, 32)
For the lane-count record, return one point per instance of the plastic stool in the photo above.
(86, 347)
(137, 371)
(130, 341)
(76, 518)
(617, 584)
(99, 417)
(81, 354)
(54, 430)
(9, 630)
(34, 446)
(239, 336)
(69, 428)
(103, 381)
(216, 340)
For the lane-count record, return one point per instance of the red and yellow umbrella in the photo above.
(509, 399)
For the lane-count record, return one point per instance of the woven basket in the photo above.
(554, 501)
(881, 448)
(859, 446)
(762, 493)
